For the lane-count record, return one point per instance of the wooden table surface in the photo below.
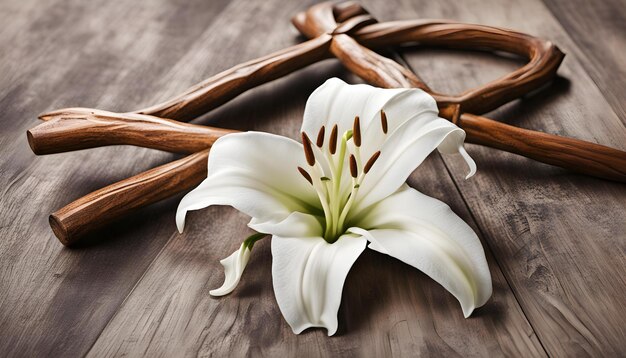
(555, 241)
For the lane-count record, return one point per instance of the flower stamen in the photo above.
(356, 131)
(320, 137)
(332, 145)
(353, 167)
(308, 151)
(371, 162)
(306, 175)
(383, 121)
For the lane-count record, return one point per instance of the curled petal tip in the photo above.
(471, 173)
(470, 162)
(180, 225)
(180, 220)
(467, 311)
(234, 265)
(332, 331)
(220, 291)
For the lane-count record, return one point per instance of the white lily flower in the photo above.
(349, 188)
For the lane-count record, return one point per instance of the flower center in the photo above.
(337, 186)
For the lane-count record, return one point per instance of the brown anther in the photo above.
(308, 150)
(353, 168)
(332, 145)
(383, 121)
(371, 162)
(320, 137)
(305, 175)
(356, 131)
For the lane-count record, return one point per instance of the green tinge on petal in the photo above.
(256, 173)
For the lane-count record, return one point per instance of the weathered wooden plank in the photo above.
(599, 30)
(55, 301)
(388, 308)
(559, 237)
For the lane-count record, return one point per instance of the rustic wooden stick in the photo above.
(350, 47)
(576, 155)
(544, 58)
(340, 30)
(94, 210)
(81, 128)
(65, 133)
(227, 85)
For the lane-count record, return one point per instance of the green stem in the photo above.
(249, 242)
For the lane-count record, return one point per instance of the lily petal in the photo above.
(256, 173)
(233, 269)
(424, 233)
(297, 224)
(336, 102)
(405, 150)
(308, 276)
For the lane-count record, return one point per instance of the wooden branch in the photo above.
(544, 57)
(576, 155)
(105, 128)
(94, 210)
(81, 128)
(365, 63)
(227, 85)
(378, 70)
(73, 129)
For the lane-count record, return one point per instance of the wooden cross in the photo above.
(345, 31)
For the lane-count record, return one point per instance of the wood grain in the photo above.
(558, 237)
(73, 129)
(154, 185)
(585, 23)
(54, 301)
(577, 155)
